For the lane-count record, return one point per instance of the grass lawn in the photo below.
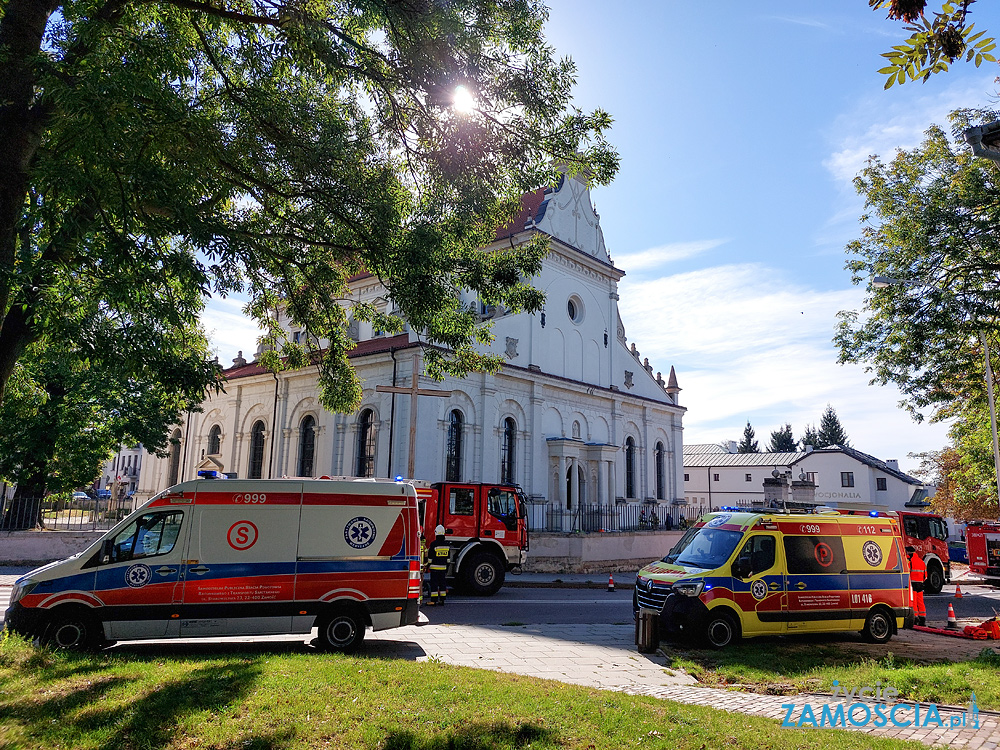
(276, 695)
(787, 666)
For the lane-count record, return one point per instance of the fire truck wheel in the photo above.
(73, 630)
(878, 626)
(721, 629)
(341, 631)
(935, 579)
(484, 574)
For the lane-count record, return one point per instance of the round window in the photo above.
(574, 309)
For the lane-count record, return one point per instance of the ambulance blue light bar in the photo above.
(211, 474)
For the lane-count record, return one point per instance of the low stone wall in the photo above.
(40, 547)
(597, 553)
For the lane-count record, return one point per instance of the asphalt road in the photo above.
(536, 606)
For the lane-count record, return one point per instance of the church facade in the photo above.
(573, 416)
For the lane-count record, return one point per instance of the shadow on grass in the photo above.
(476, 737)
(370, 649)
(61, 713)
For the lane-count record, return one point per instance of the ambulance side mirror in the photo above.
(106, 550)
(741, 568)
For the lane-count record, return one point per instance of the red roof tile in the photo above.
(531, 210)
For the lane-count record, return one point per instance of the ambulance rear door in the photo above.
(875, 569)
(240, 569)
(353, 547)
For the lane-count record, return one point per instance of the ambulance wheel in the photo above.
(878, 626)
(73, 630)
(484, 574)
(935, 580)
(341, 631)
(721, 630)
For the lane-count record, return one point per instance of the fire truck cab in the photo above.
(928, 534)
(982, 540)
(485, 525)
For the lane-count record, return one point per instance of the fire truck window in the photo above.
(502, 503)
(924, 528)
(910, 527)
(759, 553)
(148, 536)
(939, 529)
(461, 502)
(815, 554)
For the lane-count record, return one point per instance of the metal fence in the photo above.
(92, 514)
(619, 517)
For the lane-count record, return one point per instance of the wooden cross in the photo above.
(414, 390)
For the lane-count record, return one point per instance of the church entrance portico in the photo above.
(583, 474)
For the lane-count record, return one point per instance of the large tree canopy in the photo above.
(276, 148)
(932, 225)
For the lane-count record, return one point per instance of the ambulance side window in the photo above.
(149, 535)
(758, 554)
(461, 501)
(815, 554)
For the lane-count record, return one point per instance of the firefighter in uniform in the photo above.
(918, 574)
(438, 559)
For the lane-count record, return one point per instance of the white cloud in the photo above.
(749, 342)
(229, 329)
(881, 124)
(655, 257)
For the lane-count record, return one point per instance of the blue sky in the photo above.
(740, 126)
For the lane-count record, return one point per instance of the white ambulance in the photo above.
(223, 557)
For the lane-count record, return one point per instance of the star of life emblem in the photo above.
(872, 553)
(138, 576)
(759, 589)
(360, 532)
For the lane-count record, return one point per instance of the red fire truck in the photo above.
(928, 534)
(982, 540)
(485, 525)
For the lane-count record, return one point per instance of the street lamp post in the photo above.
(880, 282)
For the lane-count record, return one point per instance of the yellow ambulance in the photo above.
(739, 573)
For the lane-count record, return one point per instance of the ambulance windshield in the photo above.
(704, 548)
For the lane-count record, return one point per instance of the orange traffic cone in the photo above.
(952, 622)
(611, 583)
(958, 592)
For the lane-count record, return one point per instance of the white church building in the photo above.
(574, 416)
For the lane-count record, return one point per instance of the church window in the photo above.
(215, 441)
(175, 459)
(629, 467)
(307, 446)
(366, 444)
(659, 455)
(574, 308)
(256, 468)
(508, 451)
(453, 463)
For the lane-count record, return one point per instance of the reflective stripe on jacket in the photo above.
(439, 556)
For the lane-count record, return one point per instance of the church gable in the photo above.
(569, 216)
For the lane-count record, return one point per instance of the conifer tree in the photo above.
(782, 440)
(809, 437)
(831, 432)
(749, 443)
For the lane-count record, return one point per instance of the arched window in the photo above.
(307, 446)
(215, 441)
(453, 461)
(366, 444)
(175, 459)
(658, 457)
(508, 451)
(629, 467)
(256, 468)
